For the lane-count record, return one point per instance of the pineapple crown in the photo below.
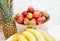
(6, 10)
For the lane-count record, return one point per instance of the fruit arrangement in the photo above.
(33, 35)
(32, 17)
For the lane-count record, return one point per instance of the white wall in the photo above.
(51, 6)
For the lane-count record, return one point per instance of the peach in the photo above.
(36, 14)
(26, 21)
(29, 16)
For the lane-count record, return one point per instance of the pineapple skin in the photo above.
(9, 29)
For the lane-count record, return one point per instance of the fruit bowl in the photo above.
(31, 18)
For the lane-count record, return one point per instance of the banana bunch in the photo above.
(33, 35)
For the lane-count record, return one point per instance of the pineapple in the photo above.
(1, 22)
(9, 27)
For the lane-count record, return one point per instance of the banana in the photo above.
(21, 38)
(15, 37)
(37, 35)
(46, 36)
(29, 36)
(52, 37)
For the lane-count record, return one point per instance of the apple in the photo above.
(20, 19)
(29, 16)
(24, 13)
(32, 22)
(45, 14)
(30, 9)
(44, 18)
(26, 20)
(41, 14)
(33, 19)
(36, 14)
(40, 20)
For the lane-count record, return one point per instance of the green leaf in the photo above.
(5, 8)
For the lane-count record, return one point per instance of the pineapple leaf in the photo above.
(5, 8)
(5, 3)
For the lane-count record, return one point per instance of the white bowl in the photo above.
(21, 27)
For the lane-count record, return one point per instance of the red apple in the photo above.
(24, 13)
(40, 20)
(41, 14)
(30, 9)
(36, 14)
(20, 19)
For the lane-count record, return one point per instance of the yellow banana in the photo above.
(29, 36)
(52, 37)
(15, 37)
(46, 36)
(37, 35)
(21, 38)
